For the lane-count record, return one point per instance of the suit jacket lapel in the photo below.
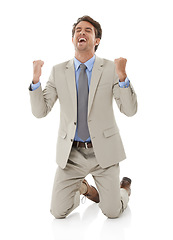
(96, 74)
(70, 77)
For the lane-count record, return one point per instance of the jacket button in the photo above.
(74, 123)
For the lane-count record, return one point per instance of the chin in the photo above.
(82, 49)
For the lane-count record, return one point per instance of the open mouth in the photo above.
(81, 40)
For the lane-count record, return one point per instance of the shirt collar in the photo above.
(89, 64)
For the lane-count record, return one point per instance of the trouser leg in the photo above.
(65, 194)
(113, 200)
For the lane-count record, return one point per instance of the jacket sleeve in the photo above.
(125, 98)
(43, 101)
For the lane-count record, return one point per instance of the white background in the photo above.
(140, 31)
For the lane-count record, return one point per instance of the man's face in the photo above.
(84, 37)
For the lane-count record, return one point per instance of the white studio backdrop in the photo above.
(140, 31)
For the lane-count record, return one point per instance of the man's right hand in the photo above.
(37, 65)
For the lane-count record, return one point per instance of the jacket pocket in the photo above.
(62, 134)
(110, 132)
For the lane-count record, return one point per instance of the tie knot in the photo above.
(83, 66)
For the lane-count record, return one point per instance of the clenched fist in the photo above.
(37, 65)
(120, 65)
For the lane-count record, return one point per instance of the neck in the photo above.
(83, 56)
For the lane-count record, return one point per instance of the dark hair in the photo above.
(97, 27)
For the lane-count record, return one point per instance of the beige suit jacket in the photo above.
(103, 129)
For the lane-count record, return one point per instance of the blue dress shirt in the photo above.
(89, 64)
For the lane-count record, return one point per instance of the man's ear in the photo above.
(97, 42)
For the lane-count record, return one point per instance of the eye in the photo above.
(77, 30)
(88, 30)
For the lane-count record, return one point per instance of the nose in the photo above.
(82, 32)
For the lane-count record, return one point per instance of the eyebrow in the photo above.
(85, 28)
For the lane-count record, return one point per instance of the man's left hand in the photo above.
(120, 65)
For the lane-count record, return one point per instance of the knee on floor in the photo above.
(58, 215)
(110, 213)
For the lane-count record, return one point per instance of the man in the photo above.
(88, 139)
